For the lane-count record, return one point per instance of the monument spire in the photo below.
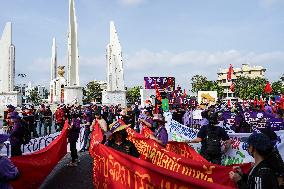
(53, 60)
(114, 61)
(73, 93)
(115, 93)
(7, 60)
(73, 56)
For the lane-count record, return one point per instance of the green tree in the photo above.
(277, 88)
(201, 83)
(34, 97)
(133, 94)
(215, 86)
(249, 88)
(92, 92)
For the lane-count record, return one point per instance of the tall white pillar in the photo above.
(73, 56)
(53, 62)
(73, 93)
(115, 93)
(7, 70)
(7, 60)
(115, 73)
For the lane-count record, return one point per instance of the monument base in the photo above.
(73, 95)
(114, 98)
(14, 98)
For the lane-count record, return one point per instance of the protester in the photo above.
(204, 120)
(39, 117)
(88, 114)
(124, 117)
(102, 123)
(210, 137)
(59, 118)
(73, 135)
(136, 111)
(7, 122)
(29, 119)
(17, 135)
(118, 141)
(47, 119)
(274, 159)
(111, 115)
(260, 175)
(8, 171)
(161, 134)
(146, 119)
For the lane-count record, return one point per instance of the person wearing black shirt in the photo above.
(260, 175)
(47, 117)
(210, 137)
(118, 141)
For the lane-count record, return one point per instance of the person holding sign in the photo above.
(161, 134)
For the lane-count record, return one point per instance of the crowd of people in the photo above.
(27, 123)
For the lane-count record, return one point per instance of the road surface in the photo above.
(63, 177)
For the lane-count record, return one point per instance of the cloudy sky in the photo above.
(177, 38)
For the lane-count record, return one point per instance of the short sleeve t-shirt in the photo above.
(203, 133)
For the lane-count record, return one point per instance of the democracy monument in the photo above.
(64, 90)
(7, 70)
(115, 93)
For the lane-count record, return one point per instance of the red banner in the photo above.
(35, 167)
(146, 131)
(113, 169)
(170, 165)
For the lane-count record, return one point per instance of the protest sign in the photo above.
(167, 83)
(39, 143)
(238, 152)
(165, 105)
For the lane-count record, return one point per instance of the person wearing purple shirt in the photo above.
(73, 135)
(146, 119)
(17, 134)
(161, 134)
(88, 120)
(8, 171)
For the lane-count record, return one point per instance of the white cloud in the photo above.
(131, 2)
(181, 65)
(186, 64)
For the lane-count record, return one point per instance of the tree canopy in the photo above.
(201, 83)
(133, 94)
(92, 92)
(249, 88)
(34, 97)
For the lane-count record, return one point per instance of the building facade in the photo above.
(245, 71)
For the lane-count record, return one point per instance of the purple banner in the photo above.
(257, 120)
(163, 83)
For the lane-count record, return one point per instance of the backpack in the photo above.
(213, 142)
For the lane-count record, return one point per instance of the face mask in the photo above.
(251, 153)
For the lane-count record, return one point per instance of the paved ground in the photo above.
(63, 177)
